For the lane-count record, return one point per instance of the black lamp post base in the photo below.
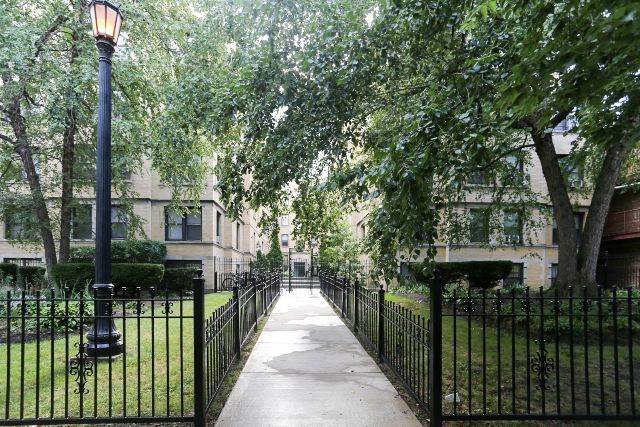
(104, 339)
(104, 350)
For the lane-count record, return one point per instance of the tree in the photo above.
(339, 247)
(401, 104)
(48, 72)
(276, 260)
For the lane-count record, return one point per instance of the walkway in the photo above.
(307, 369)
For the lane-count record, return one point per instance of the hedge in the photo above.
(9, 270)
(482, 274)
(22, 276)
(32, 275)
(178, 279)
(125, 251)
(78, 275)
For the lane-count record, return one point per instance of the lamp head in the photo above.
(106, 20)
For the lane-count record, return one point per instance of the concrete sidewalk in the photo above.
(307, 369)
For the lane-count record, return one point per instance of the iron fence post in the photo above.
(435, 355)
(255, 301)
(344, 296)
(380, 323)
(236, 321)
(215, 276)
(355, 306)
(198, 351)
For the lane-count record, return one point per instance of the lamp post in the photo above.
(104, 339)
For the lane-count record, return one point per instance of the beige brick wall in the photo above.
(152, 199)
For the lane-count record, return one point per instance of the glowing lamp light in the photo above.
(106, 20)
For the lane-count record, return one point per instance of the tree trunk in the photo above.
(602, 195)
(23, 149)
(66, 195)
(68, 151)
(563, 211)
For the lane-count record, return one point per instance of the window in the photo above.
(515, 277)
(578, 220)
(238, 236)
(81, 222)
(186, 227)
(21, 226)
(284, 220)
(363, 231)
(183, 263)
(553, 274)
(478, 178)
(565, 125)
(218, 224)
(284, 239)
(24, 262)
(571, 171)
(479, 226)
(84, 162)
(512, 225)
(118, 223)
(516, 170)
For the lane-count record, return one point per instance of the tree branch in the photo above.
(44, 38)
(505, 154)
(7, 139)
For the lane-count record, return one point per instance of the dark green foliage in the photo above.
(125, 251)
(178, 279)
(44, 306)
(132, 276)
(9, 270)
(521, 300)
(77, 276)
(481, 274)
(261, 262)
(275, 254)
(31, 276)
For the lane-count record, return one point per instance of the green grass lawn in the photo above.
(496, 380)
(154, 377)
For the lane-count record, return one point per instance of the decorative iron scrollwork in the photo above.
(166, 308)
(585, 305)
(138, 307)
(556, 306)
(542, 365)
(498, 305)
(81, 367)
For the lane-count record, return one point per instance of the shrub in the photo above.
(178, 279)
(482, 274)
(77, 276)
(125, 251)
(31, 275)
(9, 270)
(132, 276)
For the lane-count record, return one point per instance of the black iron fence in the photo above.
(516, 354)
(174, 361)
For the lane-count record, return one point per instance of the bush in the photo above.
(77, 276)
(9, 270)
(178, 279)
(125, 251)
(132, 276)
(481, 274)
(32, 275)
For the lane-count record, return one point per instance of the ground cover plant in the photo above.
(152, 341)
(493, 365)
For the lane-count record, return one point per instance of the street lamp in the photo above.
(104, 339)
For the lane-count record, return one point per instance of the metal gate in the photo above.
(300, 270)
